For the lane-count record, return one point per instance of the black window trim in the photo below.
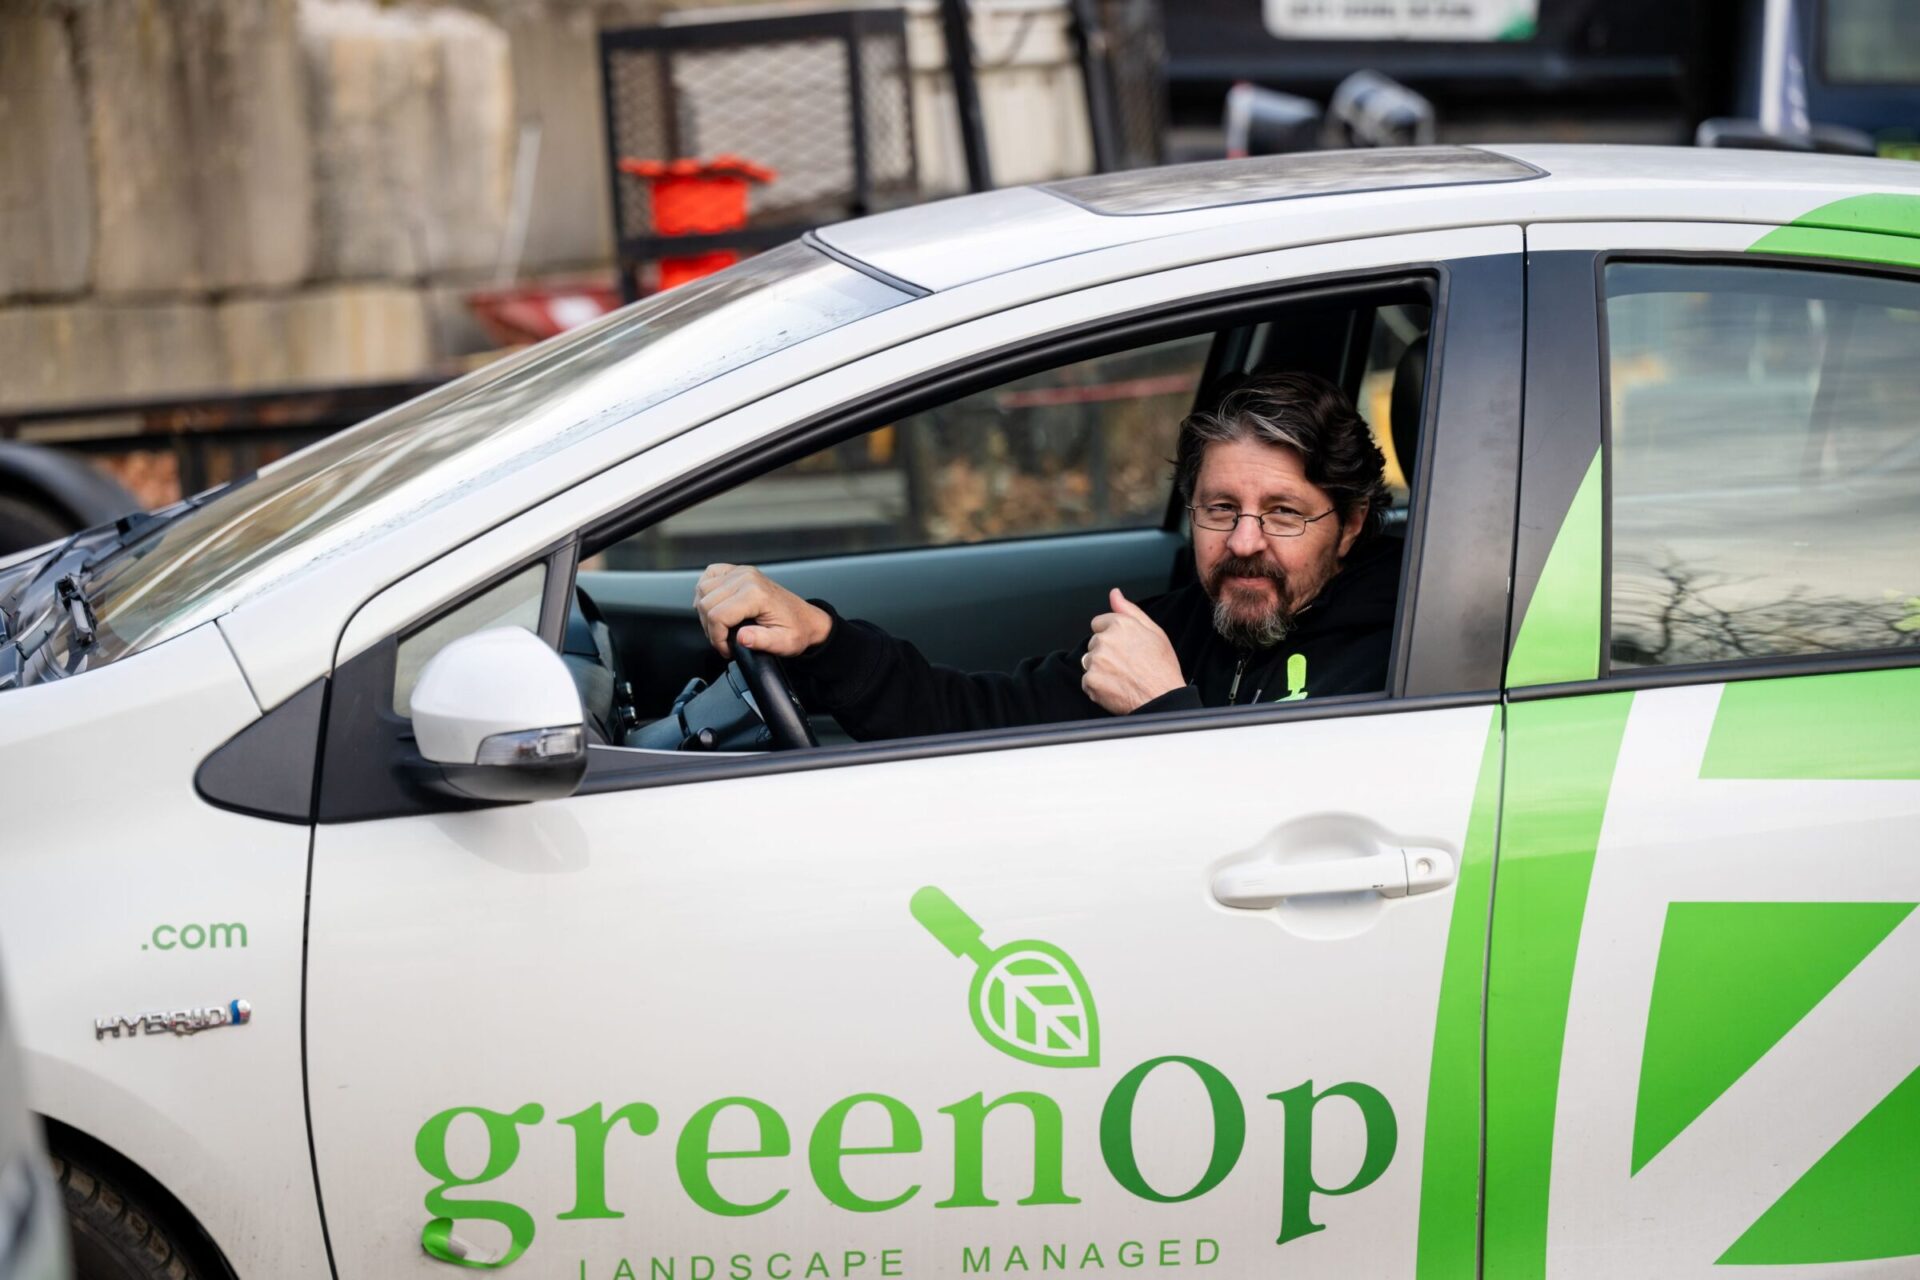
(1769, 667)
(1772, 668)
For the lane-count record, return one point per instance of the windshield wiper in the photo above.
(73, 598)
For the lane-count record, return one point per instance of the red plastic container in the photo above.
(697, 197)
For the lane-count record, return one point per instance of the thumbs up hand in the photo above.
(1129, 662)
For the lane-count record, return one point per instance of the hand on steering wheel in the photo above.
(767, 678)
(738, 597)
(733, 599)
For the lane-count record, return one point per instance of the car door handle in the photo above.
(1395, 873)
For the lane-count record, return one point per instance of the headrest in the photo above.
(1409, 386)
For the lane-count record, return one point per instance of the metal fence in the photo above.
(1133, 46)
(824, 99)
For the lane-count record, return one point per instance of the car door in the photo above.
(1704, 1001)
(975, 1004)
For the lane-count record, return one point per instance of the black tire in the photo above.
(115, 1236)
(24, 524)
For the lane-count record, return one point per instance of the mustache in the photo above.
(1245, 567)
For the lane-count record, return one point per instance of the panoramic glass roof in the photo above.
(1310, 173)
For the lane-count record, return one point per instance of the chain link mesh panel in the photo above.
(821, 99)
(1136, 55)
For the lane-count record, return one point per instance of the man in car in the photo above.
(1294, 595)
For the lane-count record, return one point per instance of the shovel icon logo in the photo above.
(1028, 999)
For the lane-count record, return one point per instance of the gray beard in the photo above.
(1260, 633)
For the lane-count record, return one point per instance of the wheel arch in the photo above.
(66, 1141)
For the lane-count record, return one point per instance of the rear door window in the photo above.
(1765, 462)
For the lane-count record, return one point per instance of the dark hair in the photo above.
(1302, 412)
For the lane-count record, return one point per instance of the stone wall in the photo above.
(1032, 105)
(46, 182)
(209, 195)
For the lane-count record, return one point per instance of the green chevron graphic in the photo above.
(1857, 1203)
(1028, 999)
(1731, 980)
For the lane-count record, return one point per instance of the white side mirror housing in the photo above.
(498, 714)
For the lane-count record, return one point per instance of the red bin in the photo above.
(697, 197)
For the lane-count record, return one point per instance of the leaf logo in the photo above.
(1028, 999)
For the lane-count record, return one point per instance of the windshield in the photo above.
(427, 452)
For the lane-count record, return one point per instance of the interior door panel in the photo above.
(979, 607)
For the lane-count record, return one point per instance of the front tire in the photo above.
(115, 1235)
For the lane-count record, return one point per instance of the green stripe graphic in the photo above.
(1847, 246)
(1870, 228)
(1559, 639)
(1560, 762)
(1450, 1167)
(1854, 724)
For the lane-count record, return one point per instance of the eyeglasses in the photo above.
(1224, 518)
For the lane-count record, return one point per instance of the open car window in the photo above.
(987, 529)
(1077, 448)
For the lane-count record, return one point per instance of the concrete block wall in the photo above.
(1032, 103)
(413, 123)
(46, 183)
(208, 195)
(198, 145)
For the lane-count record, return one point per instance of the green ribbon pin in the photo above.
(1296, 678)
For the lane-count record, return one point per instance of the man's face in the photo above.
(1257, 583)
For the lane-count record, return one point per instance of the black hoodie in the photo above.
(880, 687)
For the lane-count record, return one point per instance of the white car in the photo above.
(374, 904)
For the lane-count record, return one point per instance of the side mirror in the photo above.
(497, 717)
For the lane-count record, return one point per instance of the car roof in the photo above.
(954, 242)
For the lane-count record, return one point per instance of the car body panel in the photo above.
(808, 980)
(1700, 1037)
(108, 847)
(1740, 875)
(851, 819)
(1004, 231)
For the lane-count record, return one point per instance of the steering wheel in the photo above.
(767, 678)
